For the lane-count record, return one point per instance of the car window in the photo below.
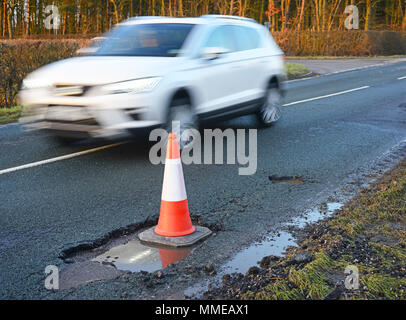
(222, 37)
(247, 38)
(160, 39)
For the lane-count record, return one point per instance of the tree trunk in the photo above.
(27, 30)
(64, 23)
(10, 31)
(115, 10)
(180, 8)
(231, 7)
(163, 8)
(299, 25)
(368, 15)
(261, 12)
(4, 18)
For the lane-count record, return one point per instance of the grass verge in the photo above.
(396, 56)
(368, 233)
(296, 71)
(8, 115)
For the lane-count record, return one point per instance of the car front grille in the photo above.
(70, 90)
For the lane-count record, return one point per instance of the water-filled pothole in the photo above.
(271, 246)
(135, 256)
(119, 256)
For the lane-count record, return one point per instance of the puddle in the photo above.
(134, 256)
(271, 246)
(117, 259)
(276, 246)
(317, 214)
(245, 259)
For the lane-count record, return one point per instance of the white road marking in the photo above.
(326, 96)
(401, 78)
(68, 156)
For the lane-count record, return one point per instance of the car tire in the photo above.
(181, 110)
(271, 107)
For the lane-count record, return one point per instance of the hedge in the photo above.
(20, 57)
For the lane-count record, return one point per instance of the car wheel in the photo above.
(181, 113)
(270, 109)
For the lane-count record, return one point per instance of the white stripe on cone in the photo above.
(174, 185)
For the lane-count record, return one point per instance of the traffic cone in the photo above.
(174, 227)
(174, 219)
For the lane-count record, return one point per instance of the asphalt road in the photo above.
(333, 65)
(331, 126)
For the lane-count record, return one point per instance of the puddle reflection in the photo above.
(134, 256)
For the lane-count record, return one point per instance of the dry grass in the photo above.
(370, 233)
(8, 115)
(342, 43)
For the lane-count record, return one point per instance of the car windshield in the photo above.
(155, 40)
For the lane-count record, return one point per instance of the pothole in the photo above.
(126, 254)
(295, 180)
(134, 256)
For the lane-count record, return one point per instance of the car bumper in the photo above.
(110, 116)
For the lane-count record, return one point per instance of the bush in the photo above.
(20, 57)
(341, 43)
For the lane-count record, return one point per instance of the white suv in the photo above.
(150, 71)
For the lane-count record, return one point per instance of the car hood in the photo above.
(102, 70)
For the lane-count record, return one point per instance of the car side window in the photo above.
(222, 37)
(247, 38)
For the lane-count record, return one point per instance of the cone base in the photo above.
(164, 233)
(150, 237)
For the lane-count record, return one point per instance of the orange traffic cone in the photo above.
(174, 227)
(174, 219)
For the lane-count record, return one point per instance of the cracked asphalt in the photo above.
(324, 138)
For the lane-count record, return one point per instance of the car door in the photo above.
(219, 79)
(248, 55)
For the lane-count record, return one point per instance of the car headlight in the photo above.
(132, 86)
(35, 84)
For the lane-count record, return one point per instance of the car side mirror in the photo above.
(212, 53)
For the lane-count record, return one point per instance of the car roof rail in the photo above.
(222, 16)
(145, 18)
